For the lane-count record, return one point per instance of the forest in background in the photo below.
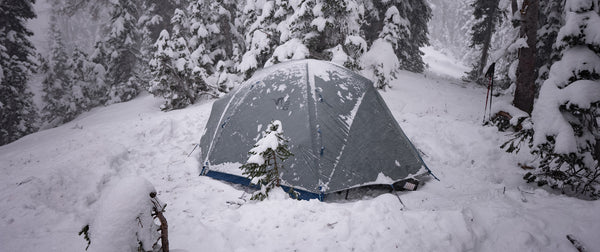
(183, 51)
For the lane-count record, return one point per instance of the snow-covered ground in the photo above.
(50, 183)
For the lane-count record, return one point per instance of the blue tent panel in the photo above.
(304, 195)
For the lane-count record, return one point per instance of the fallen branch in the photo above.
(164, 227)
(577, 244)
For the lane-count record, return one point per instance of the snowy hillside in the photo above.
(51, 183)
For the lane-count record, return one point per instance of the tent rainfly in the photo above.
(340, 131)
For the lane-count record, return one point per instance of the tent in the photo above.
(340, 131)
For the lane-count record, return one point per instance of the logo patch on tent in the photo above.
(282, 103)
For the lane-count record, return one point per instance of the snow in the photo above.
(581, 23)
(52, 183)
(580, 5)
(290, 50)
(269, 141)
(338, 56)
(383, 179)
(518, 44)
(506, 106)
(443, 65)
(547, 117)
(357, 41)
(122, 208)
(320, 23)
(380, 58)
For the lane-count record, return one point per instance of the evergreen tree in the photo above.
(419, 14)
(566, 135)
(392, 38)
(60, 105)
(214, 41)
(414, 32)
(169, 65)
(90, 89)
(154, 18)
(262, 34)
(176, 76)
(550, 15)
(505, 46)
(381, 70)
(488, 15)
(332, 22)
(100, 58)
(123, 43)
(16, 104)
(266, 158)
(282, 30)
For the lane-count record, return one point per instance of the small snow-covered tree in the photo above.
(566, 134)
(265, 162)
(125, 219)
(393, 38)
(379, 68)
(17, 110)
(408, 20)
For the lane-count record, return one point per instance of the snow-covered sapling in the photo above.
(266, 159)
(125, 219)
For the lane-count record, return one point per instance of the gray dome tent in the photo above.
(341, 133)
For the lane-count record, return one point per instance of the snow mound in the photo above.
(124, 217)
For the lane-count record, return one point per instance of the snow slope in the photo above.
(51, 181)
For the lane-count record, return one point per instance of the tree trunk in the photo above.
(526, 72)
(164, 231)
(485, 48)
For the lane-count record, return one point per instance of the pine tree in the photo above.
(265, 162)
(60, 105)
(154, 18)
(549, 24)
(565, 117)
(262, 34)
(392, 39)
(100, 58)
(16, 104)
(214, 42)
(123, 43)
(488, 14)
(410, 22)
(88, 79)
(170, 63)
(419, 15)
(505, 46)
(177, 77)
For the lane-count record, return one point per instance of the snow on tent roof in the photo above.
(340, 131)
